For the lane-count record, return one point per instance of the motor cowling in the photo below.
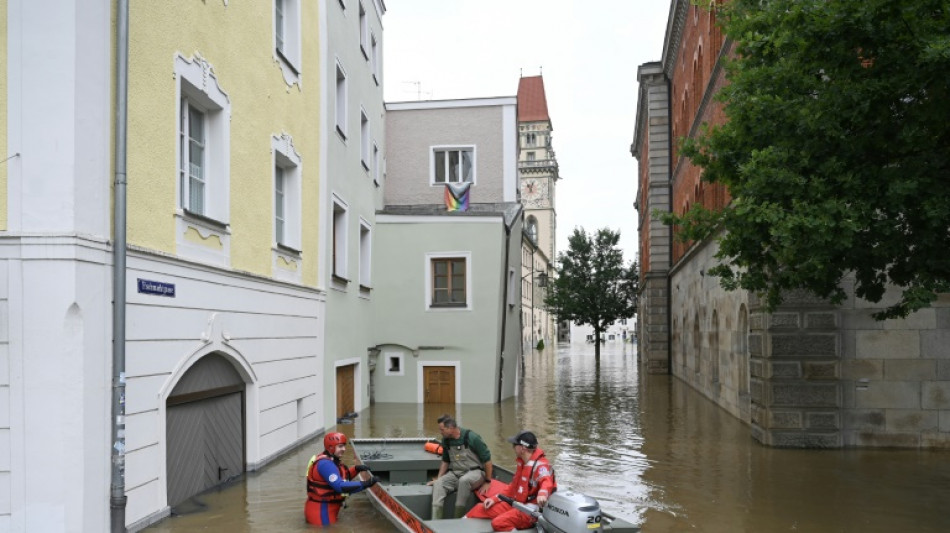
(572, 512)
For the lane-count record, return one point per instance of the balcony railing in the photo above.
(540, 163)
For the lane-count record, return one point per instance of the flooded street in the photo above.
(649, 448)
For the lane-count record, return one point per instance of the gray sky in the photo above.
(588, 53)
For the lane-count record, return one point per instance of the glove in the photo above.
(361, 468)
(369, 482)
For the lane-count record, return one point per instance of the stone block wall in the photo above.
(895, 375)
(795, 370)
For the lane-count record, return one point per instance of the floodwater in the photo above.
(649, 448)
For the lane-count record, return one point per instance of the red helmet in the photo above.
(332, 439)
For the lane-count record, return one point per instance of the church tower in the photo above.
(537, 165)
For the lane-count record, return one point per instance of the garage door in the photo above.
(205, 429)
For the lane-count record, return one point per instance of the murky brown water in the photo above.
(647, 447)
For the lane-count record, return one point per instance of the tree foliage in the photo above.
(836, 150)
(592, 286)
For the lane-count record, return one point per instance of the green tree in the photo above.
(836, 150)
(592, 286)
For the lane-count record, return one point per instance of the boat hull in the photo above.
(405, 499)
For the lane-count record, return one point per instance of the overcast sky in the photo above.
(588, 53)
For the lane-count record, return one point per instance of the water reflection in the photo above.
(649, 448)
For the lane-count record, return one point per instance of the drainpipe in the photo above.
(669, 275)
(117, 498)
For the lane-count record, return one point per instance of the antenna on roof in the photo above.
(520, 72)
(418, 85)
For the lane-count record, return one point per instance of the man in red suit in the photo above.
(533, 483)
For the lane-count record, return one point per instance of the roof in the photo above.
(507, 210)
(532, 104)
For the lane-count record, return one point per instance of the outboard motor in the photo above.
(566, 511)
(571, 512)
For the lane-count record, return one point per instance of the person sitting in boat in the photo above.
(329, 481)
(533, 482)
(466, 466)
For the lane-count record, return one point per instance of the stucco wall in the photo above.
(349, 314)
(4, 149)
(411, 134)
(236, 39)
(708, 350)
(469, 338)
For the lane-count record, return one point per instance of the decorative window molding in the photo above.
(287, 39)
(203, 155)
(287, 251)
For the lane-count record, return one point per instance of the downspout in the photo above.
(118, 498)
(669, 271)
(504, 310)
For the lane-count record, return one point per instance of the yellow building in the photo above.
(224, 320)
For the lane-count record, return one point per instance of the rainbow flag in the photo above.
(456, 196)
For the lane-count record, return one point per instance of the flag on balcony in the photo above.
(456, 196)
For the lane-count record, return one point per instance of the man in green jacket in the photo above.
(466, 466)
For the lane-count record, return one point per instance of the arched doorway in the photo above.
(204, 428)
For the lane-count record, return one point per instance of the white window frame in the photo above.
(339, 252)
(400, 357)
(341, 100)
(288, 160)
(196, 85)
(364, 140)
(451, 148)
(374, 57)
(469, 275)
(377, 164)
(287, 39)
(366, 254)
(364, 31)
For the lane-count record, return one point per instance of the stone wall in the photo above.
(895, 375)
(794, 367)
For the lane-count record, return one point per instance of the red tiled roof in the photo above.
(532, 105)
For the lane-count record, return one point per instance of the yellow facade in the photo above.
(3, 118)
(237, 40)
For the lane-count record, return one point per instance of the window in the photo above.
(530, 139)
(203, 160)
(340, 101)
(532, 229)
(366, 246)
(204, 139)
(374, 58)
(279, 24)
(287, 194)
(364, 140)
(339, 240)
(377, 164)
(453, 165)
(364, 32)
(193, 164)
(287, 38)
(449, 281)
(279, 210)
(530, 156)
(394, 364)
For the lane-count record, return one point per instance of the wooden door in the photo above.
(345, 385)
(439, 383)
